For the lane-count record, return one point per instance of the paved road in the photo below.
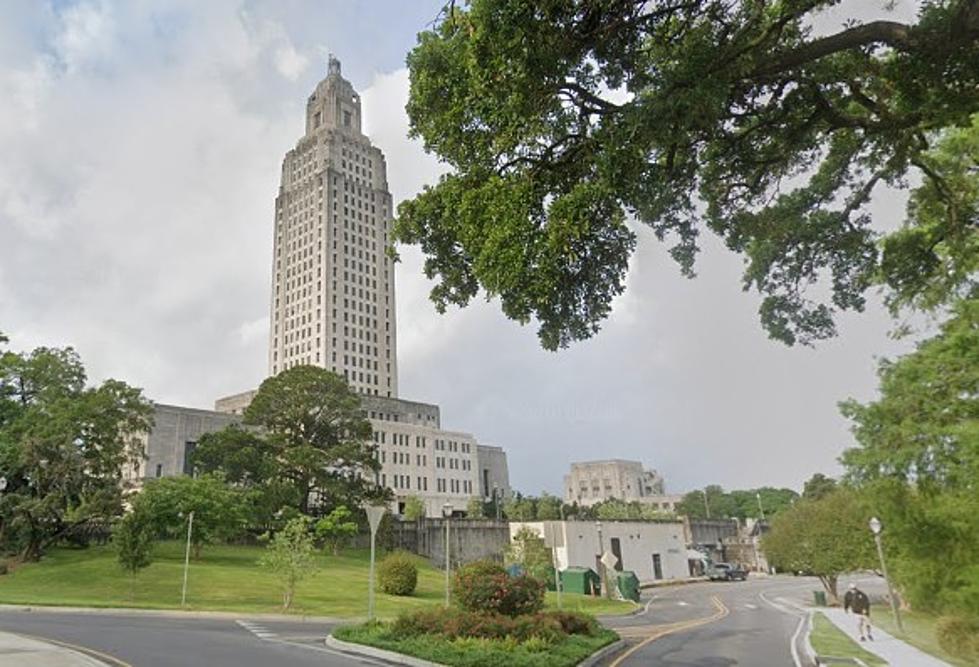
(748, 632)
(748, 629)
(152, 641)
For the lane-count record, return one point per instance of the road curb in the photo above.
(172, 613)
(379, 653)
(671, 583)
(603, 653)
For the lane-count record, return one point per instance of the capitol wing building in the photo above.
(332, 305)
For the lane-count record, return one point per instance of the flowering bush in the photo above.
(486, 587)
(458, 623)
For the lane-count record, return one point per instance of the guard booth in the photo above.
(581, 580)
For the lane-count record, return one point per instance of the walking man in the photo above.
(857, 601)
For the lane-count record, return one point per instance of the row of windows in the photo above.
(453, 486)
(453, 446)
(454, 463)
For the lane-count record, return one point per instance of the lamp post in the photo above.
(760, 508)
(374, 515)
(190, 530)
(876, 527)
(496, 501)
(447, 516)
(601, 553)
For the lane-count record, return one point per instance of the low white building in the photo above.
(655, 551)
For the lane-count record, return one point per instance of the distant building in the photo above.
(591, 482)
(655, 551)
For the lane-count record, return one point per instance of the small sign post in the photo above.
(374, 515)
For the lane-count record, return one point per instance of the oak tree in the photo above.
(563, 119)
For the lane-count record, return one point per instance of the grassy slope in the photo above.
(920, 631)
(480, 652)
(829, 640)
(227, 578)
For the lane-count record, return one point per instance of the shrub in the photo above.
(959, 636)
(575, 623)
(461, 624)
(3, 568)
(398, 574)
(484, 586)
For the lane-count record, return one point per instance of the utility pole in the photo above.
(706, 504)
(190, 530)
(760, 508)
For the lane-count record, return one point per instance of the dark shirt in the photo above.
(857, 602)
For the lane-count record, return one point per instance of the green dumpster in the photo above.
(628, 584)
(580, 580)
(820, 598)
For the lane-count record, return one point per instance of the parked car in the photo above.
(726, 572)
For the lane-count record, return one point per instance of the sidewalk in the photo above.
(891, 649)
(18, 651)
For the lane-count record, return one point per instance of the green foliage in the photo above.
(313, 438)
(453, 623)
(548, 508)
(728, 116)
(479, 651)
(818, 486)
(825, 538)
(475, 508)
(520, 508)
(220, 511)
(133, 539)
(414, 508)
(63, 448)
(737, 504)
(527, 549)
(397, 574)
(336, 529)
(925, 425)
(485, 586)
(959, 636)
(291, 556)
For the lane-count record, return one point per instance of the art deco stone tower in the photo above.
(332, 281)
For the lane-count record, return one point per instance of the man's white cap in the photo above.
(852, 586)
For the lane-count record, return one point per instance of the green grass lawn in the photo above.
(919, 631)
(227, 578)
(829, 640)
(480, 652)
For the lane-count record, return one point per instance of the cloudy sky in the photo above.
(141, 144)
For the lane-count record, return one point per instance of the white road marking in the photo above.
(750, 606)
(683, 604)
(788, 608)
(259, 631)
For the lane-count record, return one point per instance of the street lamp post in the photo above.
(374, 515)
(760, 508)
(496, 501)
(875, 528)
(447, 516)
(601, 553)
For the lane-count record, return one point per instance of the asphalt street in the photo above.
(155, 641)
(749, 624)
(742, 627)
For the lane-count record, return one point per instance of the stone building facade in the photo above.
(591, 482)
(332, 299)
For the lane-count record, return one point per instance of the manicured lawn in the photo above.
(919, 631)
(226, 578)
(480, 652)
(828, 640)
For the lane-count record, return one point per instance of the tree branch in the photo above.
(898, 36)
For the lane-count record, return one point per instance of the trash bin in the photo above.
(819, 597)
(628, 584)
(580, 580)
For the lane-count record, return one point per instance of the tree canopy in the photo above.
(310, 443)
(562, 119)
(63, 448)
(736, 504)
(924, 427)
(825, 537)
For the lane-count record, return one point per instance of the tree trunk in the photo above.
(829, 582)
